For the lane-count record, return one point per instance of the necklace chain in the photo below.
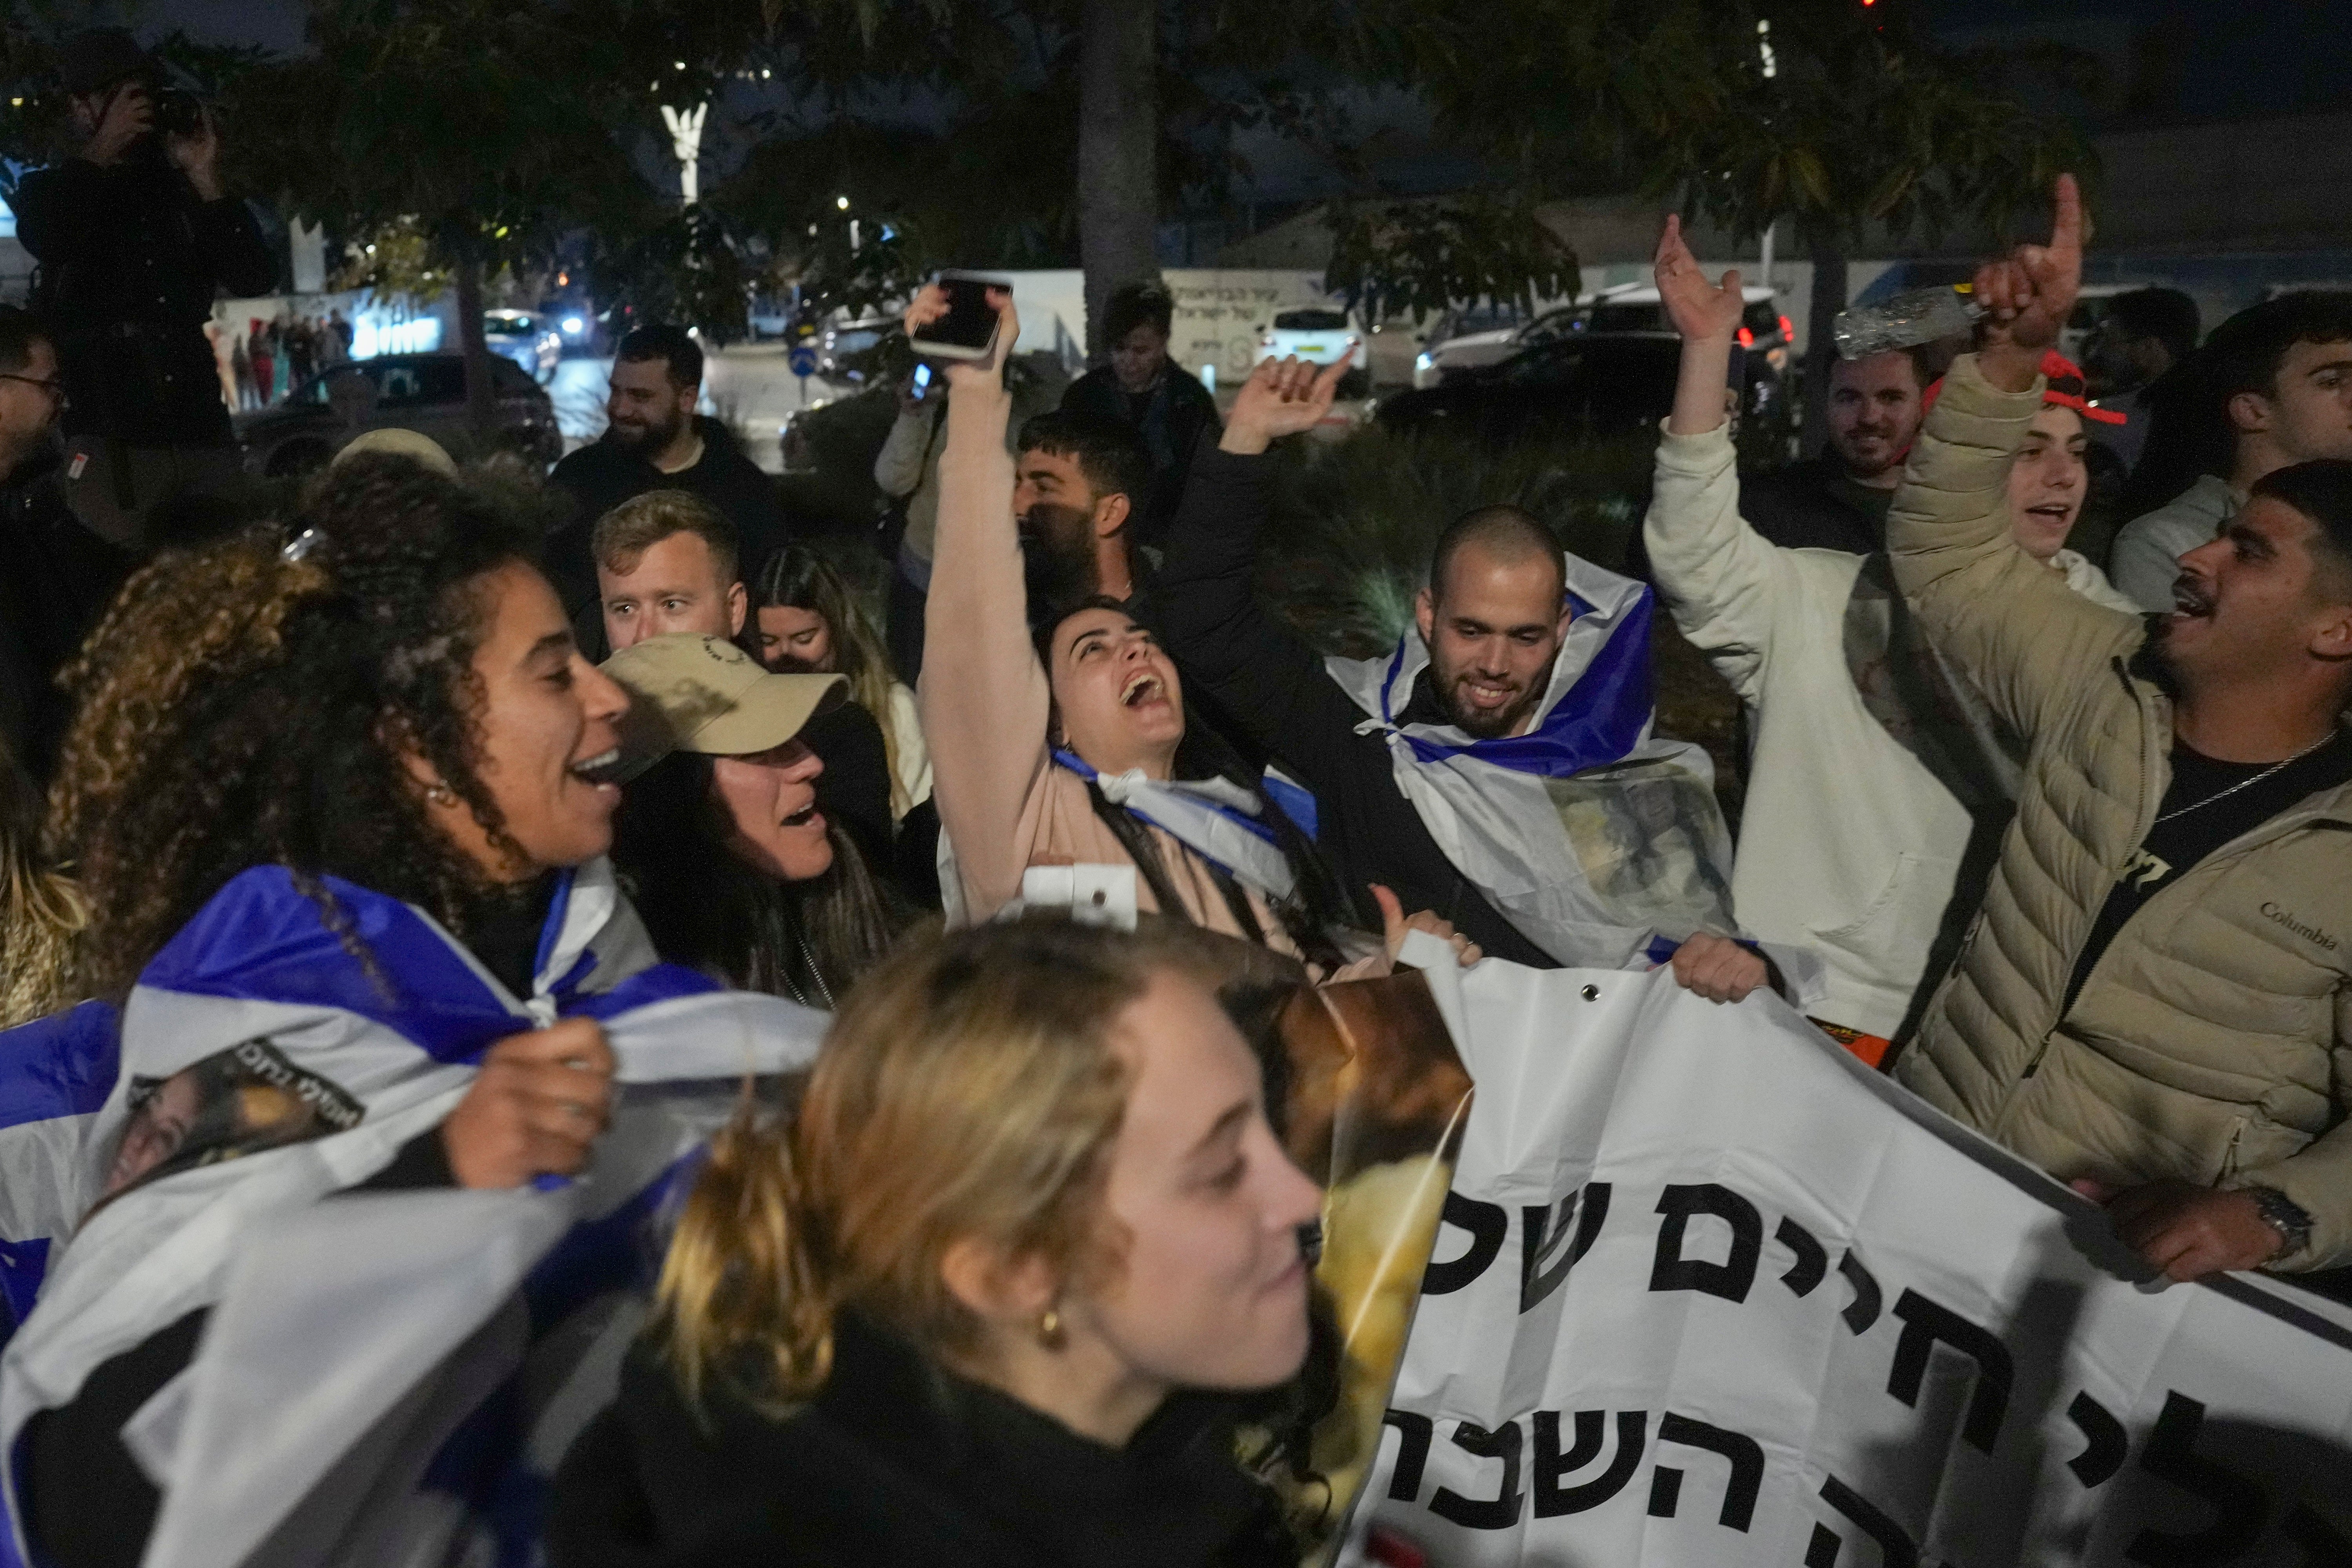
(2246, 782)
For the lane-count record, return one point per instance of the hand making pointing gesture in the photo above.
(2028, 295)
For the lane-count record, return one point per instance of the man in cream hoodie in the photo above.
(1880, 782)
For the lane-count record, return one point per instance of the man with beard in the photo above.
(1498, 769)
(654, 440)
(1076, 480)
(1839, 499)
(2152, 1004)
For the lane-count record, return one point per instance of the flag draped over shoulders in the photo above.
(378, 1372)
(1590, 834)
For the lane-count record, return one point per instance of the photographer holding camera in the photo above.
(135, 235)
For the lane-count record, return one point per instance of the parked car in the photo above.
(1466, 339)
(1574, 385)
(844, 348)
(1318, 336)
(1627, 308)
(426, 392)
(533, 343)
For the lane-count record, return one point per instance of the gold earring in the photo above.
(1049, 1329)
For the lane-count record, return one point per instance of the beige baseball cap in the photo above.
(394, 442)
(690, 692)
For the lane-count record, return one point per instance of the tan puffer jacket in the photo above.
(2209, 1044)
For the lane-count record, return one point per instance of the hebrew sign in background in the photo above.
(1710, 1292)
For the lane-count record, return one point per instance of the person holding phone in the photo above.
(906, 472)
(1074, 748)
(135, 233)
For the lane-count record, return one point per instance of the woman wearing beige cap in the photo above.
(728, 859)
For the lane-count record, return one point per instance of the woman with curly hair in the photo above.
(804, 617)
(293, 746)
(997, 1293)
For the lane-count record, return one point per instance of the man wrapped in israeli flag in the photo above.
(371, 1375)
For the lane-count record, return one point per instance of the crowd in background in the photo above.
(2073, 873)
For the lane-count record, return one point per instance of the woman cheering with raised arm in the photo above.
(1058, 733)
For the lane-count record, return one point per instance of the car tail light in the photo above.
(1747, 339)
(1788, 329)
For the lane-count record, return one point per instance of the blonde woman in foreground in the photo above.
(998, 1294)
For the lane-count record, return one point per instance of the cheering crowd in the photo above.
(353, 856)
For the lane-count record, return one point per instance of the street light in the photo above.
(841, 202)
(685, 140)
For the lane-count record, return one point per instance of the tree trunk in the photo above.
(1119, 138)
(481, 399)
(1821, 349)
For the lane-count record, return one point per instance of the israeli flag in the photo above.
(384, 1377)
(1591, 835)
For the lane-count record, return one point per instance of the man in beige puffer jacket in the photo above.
(2156, 1001)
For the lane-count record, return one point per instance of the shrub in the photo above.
(1358, 517)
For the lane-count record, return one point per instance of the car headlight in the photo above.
(574, 325)
(1422, 362)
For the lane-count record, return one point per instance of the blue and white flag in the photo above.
(55, 1076)
(1215, 818)
(382, 1378)
(1591, 835)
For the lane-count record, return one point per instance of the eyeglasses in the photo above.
(56, 389)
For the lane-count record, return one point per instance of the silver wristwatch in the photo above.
(2282, 1214)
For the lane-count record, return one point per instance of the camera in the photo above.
(178, 111)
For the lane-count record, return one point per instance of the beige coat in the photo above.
(2208, 1044)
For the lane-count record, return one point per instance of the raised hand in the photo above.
(1700, 310)
(197, 156)
(1281, 397)
(930, 302)
(129, 114)
(2028, 294)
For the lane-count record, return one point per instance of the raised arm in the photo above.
(2024, 637)
(899, 467)
(1723, 581)
(1263, 674)
(983, 697)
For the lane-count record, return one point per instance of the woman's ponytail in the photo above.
(741, 1295)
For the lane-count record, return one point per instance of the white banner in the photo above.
(1711, 1292)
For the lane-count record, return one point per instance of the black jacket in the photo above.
(1813, 505)
(602, 474)
(899, 1464)
(1266, 681)
(130, 258)
(1170, 419)
(55, 578)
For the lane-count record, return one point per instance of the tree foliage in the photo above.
(1416, 257)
